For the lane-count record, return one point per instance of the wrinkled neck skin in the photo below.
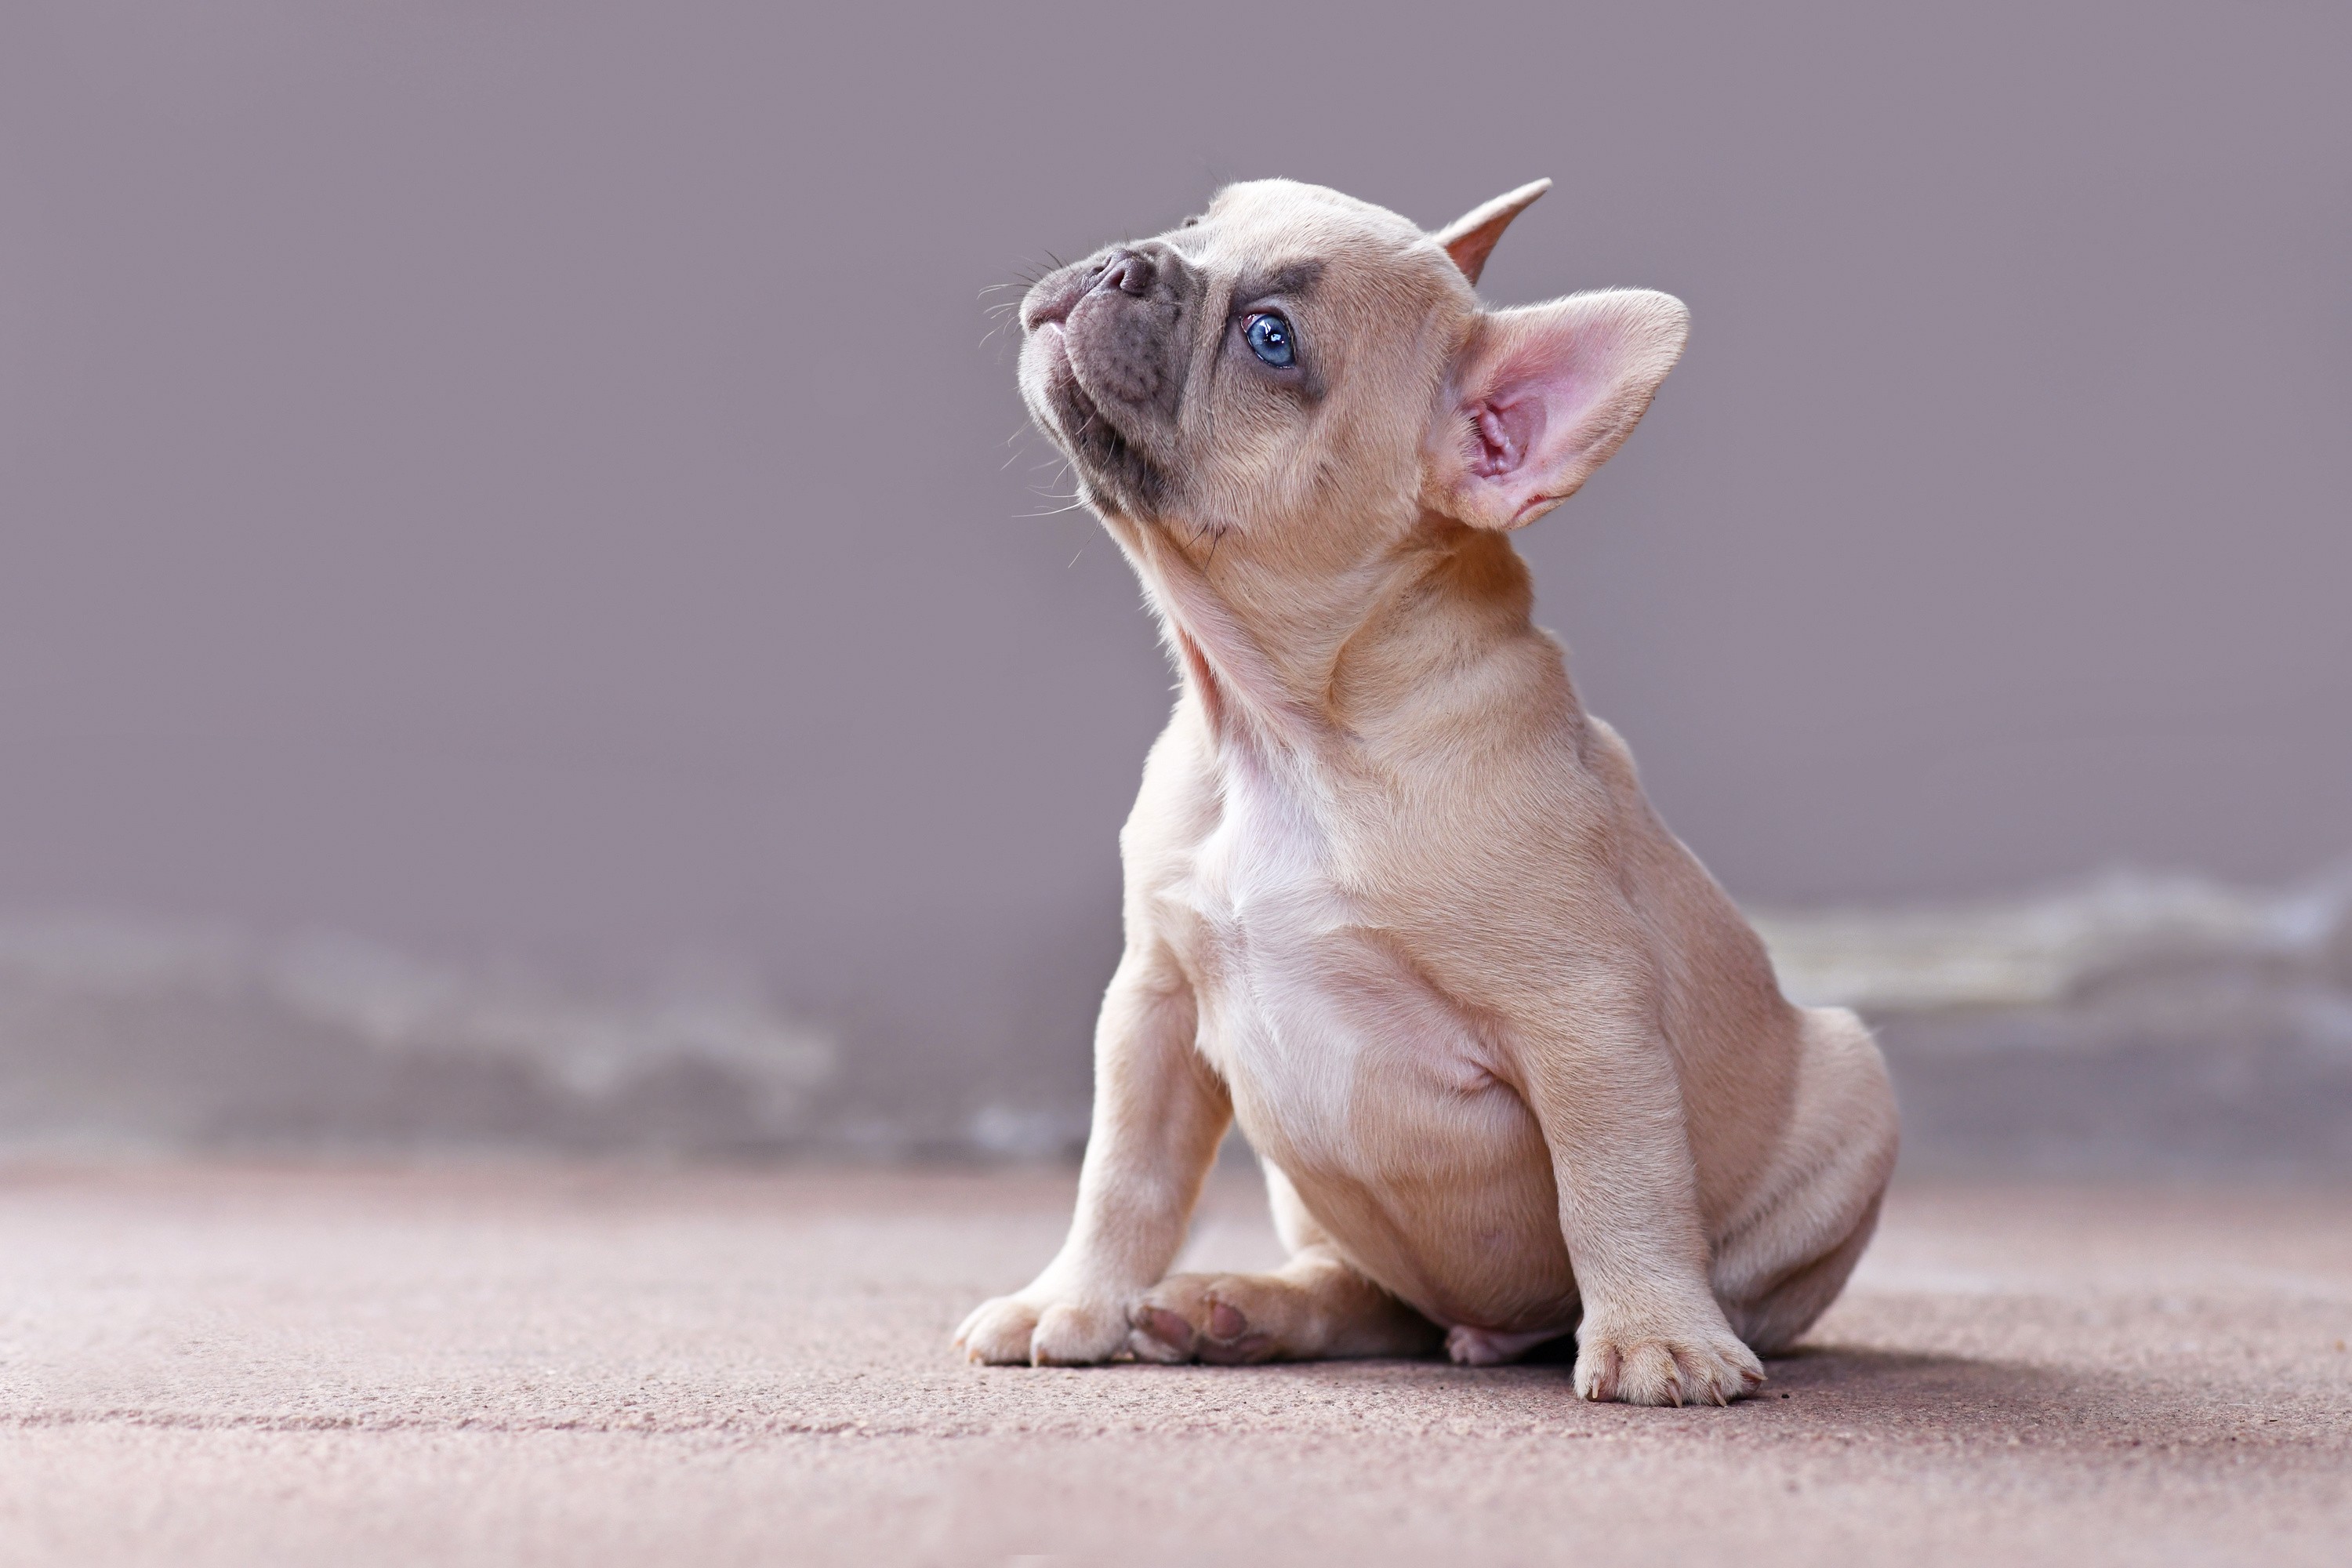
(1288, 655)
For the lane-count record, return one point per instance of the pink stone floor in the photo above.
(586, 1365)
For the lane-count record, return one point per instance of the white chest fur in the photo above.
(1308, 1008)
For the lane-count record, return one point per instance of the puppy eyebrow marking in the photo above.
(1296, 279)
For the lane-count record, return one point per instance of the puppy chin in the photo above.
(1044, 356)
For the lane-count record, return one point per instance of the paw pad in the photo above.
(1168, 1327)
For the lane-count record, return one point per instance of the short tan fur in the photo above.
(1514, 1062)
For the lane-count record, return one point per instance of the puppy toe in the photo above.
(1243, 1349)
(998, 1333)
(1161, 1335)
(1596, 1371)
(1717, 1371)
(1196, 1317)
(1071, 1334)
(1721, 1374)
(1650, 1374)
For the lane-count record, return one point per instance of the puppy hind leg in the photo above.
(1785, 1261)
(1315, 1307)
(1774, 1321)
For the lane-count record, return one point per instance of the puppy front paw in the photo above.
(1646, 1364)
(1028, 1330)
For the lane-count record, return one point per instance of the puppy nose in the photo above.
(1129, 272)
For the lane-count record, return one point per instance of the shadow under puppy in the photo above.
(1515, 1064)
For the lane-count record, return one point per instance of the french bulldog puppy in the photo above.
(1515, 1065)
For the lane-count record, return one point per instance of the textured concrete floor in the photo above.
(601, 1366)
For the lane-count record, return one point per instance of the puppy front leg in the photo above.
(1159, 1114)
(1602, 1085)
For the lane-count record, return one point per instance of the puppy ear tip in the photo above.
(1665, 306)
(1668, 319)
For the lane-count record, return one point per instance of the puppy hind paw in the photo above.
(1193, 1317)
(1483, 1347)
(1159, 1335)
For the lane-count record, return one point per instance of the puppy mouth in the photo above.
(1050, 303)
(1113, 466)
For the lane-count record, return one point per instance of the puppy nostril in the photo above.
(1129, 274)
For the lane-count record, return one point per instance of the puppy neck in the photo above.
(1305, 656)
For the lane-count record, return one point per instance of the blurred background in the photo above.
(529, 619)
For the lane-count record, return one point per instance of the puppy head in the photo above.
(1295, 365)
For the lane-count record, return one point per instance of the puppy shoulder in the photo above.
(1177, 803)
(1606, 753)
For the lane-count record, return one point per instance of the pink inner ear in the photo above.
(1509, 430)
(1549, 391)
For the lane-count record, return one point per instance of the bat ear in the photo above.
(1471, 237)
(1540, 398)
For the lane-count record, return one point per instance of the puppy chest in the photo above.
(1327, 1037)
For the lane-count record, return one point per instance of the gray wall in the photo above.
(526, 483)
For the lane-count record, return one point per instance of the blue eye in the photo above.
(1270, 339)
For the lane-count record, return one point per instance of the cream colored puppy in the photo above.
(1516, 1065)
